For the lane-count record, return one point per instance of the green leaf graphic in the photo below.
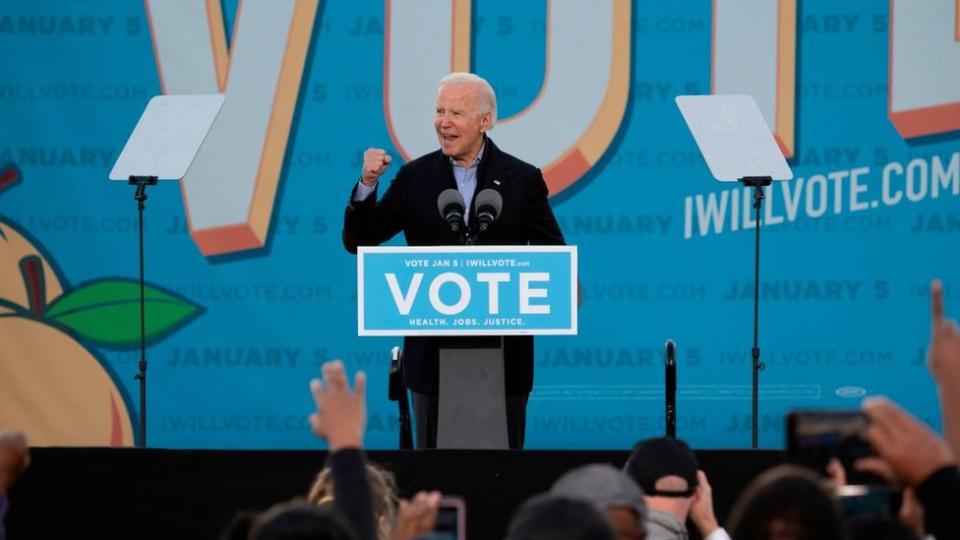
(107, 312)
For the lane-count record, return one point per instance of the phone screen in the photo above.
(875, 501)
(451, 521)
(815, 436)
(827, 433)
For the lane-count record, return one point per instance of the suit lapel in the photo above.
(491, 173)
(445, 171)
(489, 166)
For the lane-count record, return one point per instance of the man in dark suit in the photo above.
(469, 162)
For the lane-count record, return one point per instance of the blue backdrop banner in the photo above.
(249, 288)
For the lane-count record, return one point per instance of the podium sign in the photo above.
(467, 290)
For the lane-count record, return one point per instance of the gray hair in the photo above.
(487, 95)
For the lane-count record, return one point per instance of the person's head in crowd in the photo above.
(787, 502)
(383, 486)
(878, 528)
(300, 520)
(611, 492)
(666, 469)
(549, 517)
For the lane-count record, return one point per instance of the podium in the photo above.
(452, 292)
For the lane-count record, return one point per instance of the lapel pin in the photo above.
(496, 182)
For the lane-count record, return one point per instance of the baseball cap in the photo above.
(652, 459)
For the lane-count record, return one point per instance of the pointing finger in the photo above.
(360, 386)
(316, 388)
(936, 301)
(334, 376)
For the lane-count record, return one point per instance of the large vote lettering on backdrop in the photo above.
(250, 289)
(450, 290)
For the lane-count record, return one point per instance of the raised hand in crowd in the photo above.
(943, 360)
(416, 517)
(340, 418)
(341, 414)
(701, 512)
(905, 446)
(911, 453)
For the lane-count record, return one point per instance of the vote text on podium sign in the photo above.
(467, 290)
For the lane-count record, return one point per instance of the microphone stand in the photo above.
(670, 372)
(396, 392)
(481, 227)
(463, 233)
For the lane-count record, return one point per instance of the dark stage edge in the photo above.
(152, 493)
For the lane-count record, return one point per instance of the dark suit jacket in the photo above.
(410, 206)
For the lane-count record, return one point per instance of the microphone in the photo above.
(488, 205)
(670, 366)
(451, 206)
(396, 392)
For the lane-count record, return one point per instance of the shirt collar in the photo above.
(476, 162)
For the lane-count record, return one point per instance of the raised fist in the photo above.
(375, 162)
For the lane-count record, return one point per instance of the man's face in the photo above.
(459, 123)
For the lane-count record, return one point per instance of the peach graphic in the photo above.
(56, 391)
(53, 385)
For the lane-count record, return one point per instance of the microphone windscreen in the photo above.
(490, 198)
(449, 197)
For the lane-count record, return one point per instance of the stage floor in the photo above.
(133, 493)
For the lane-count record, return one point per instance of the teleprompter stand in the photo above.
(141, 197)
(739, 147)
(757, 183)
(162, 146)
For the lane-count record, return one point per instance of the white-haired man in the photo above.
(469, 162)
